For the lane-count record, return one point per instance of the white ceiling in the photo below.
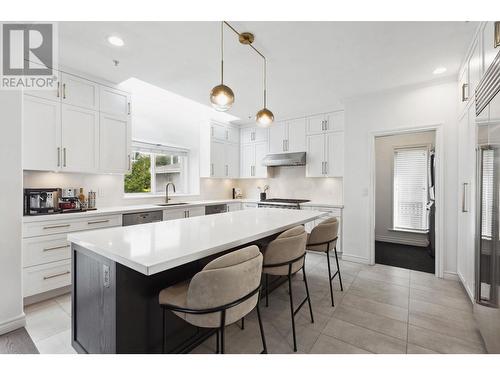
(311, 65)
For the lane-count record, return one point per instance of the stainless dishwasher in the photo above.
(215, 209)
(142, 218)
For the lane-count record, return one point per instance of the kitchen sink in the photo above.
(171, 204)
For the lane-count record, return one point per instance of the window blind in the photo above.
(411, 188)
(487, 194)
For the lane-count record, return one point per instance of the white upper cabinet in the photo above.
(475, 65)
(218, 159)
(232, 134)
(53, 94)
(114, 143)
(218, 132)
(254, 134)
(327, 122)
(278, 134)
(247, 160)
(488, 39)
(114, 102)
(261, 150)
(79, 92)
(79, 138)
(334, 166)
(315, 155)
(232, 160)
(296, 140)
(41, 134)
(219, 150)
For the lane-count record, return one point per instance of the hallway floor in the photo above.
(382, 309)
(404, 256)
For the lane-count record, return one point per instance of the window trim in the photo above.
(428, 147)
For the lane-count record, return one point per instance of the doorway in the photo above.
(405, 185)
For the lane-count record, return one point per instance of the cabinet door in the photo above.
(219, 132)
(232, 160)
(475, 68)
(277, 138)
(114, 143)
(247, 135)
(334, 166)
(80, 92)
(174, 214)
(260, 134)
(335, 121)
(315, 124)
(80, 129)
(247, 160)
(52, 94)
(261, 150)
(196, 211)
(218, 159)
(463, 88)
(315, 155)
(489, 44)
(233, 134)
(494, 109)
(234, 207)
(296, 140)
(114, 102)
(41, 134)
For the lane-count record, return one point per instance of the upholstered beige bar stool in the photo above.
(284, 256)
(225, 291)
(323, 238)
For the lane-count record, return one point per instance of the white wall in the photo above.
(399, 109)
(11, 304)
(384, 165)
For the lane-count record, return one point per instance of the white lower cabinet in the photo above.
(234, 207)
(330, 212)
(183, 213)
(47, 253)
(248, 205)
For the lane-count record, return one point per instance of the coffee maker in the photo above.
(41, 201)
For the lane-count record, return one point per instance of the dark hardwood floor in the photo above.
(17, 342)
(404, 256)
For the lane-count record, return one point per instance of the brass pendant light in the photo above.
(221, 96)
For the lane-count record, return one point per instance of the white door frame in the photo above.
(439, 192)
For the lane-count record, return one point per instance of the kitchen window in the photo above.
(410, 189)
(154, 166)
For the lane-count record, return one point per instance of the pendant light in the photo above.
(264, 117)
(221, 96)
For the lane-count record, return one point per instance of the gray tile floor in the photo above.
(382, 309)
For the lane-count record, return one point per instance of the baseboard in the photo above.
(46, 295)
(450, 276)
(354, 258)
(464, 285)
(13, 324)
(402, 241)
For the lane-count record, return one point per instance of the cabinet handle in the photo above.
(64, 90)
(59, 156)
(464, 197)
(465, 87)
(497, 34)
(56, 275)
(252, 137)
(55, 248)
(227, 134)
(287, 145)
(57, 226)
(212, 169)
(326, 167)
(326, 125)
(64, 156)
(129, 162)
(227, 170)
(98, 222)
(128, 104)
(283, 146)
(212, 131)
(58, 88)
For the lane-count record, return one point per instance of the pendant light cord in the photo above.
(222, 52)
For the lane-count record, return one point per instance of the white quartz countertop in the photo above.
(118, 210)
(156, 247)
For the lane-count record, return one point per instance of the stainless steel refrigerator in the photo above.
(486, 308)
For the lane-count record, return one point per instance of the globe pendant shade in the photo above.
(264, 118)
(222, 98)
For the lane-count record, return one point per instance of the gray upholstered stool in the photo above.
(284, 256)
(225, 291)
(323, 238)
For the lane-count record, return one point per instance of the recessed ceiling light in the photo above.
(439, 70)
(116, 41)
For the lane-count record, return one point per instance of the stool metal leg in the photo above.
(292, 313)
(242, 323)
(222, 325)
(338, 268)
(217, 344)
(329, 272)
(164, 334)
(267, 290)
(307, 291)
(262, 336)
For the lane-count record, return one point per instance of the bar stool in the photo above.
(323, 238)
(284, 256)
(225, 291)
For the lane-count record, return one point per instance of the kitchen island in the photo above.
(117, 274)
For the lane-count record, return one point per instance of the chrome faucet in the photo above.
(166, 191)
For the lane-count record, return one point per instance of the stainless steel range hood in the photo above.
(282, 160)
